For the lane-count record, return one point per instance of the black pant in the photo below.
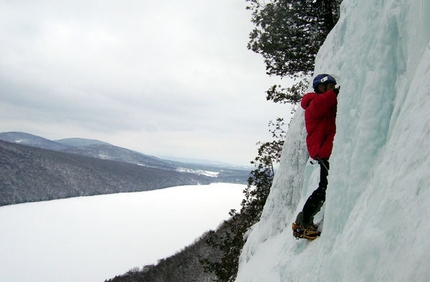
(316, 200)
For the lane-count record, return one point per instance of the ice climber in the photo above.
(320, 119)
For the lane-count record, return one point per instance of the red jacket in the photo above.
(320, 118)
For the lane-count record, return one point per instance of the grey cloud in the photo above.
(153, 76)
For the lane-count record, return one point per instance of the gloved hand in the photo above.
(336, 90)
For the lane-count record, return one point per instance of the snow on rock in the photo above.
(378, 199)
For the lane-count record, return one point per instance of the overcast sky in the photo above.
(165, 78)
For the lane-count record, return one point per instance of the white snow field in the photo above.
(376, 215)
(96, 238)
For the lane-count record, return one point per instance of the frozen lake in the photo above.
(95, 238)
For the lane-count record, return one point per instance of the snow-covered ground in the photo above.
(376, 216)
(95, 238)
(199, 171)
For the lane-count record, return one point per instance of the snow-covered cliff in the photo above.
(378, 201)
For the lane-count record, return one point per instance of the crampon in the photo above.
(300, 232)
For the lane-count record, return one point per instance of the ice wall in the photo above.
(378, 199)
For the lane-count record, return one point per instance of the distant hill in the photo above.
(35, 169)
(32, 140)
(106, 151)
(79, 142)
(31, 174)
(103, 150)
(86, 147)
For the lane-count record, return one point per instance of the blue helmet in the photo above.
(323, 79)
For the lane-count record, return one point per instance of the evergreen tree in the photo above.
(231, 238)
(288, 34)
